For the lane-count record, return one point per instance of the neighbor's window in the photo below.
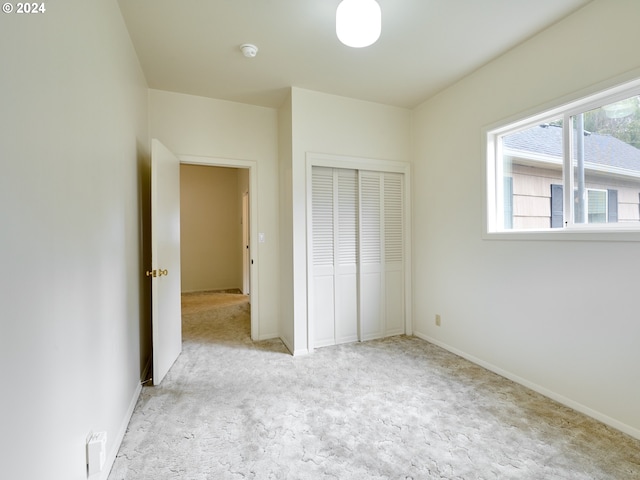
(596, 206)
(575, 167)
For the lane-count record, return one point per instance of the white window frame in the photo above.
(494, 201)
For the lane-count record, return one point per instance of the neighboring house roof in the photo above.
(600, 150)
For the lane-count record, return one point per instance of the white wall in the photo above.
(330, 124)
(190, 125)
(210, 228)
(74, 147)
(285, 152)
(560, 316)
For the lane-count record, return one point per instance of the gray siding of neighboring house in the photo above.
(534, 163)
(532, 195)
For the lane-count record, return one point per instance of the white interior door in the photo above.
(166, 321)
(246, 252)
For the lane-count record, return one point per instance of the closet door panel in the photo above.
(371, 267)
(394, 302)
(394, 253)
(346, 310)
(322, 298)
(346, 258)
(371, 319)
(323, 311)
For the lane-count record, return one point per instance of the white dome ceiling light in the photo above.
(621, 109)
(358, 22)
(249, 50)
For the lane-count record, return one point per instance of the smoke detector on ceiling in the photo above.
(249, 50)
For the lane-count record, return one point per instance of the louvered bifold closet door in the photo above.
(371, 276)
(346, 258)
(394, 253)
(322, 298)
(358, 255)
(335, 255)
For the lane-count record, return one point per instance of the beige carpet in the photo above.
(398, 408)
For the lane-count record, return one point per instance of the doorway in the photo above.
(231, 231)
(211, 230)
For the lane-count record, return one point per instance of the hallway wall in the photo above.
(210, 228)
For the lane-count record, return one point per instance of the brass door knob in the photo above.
(157, 273)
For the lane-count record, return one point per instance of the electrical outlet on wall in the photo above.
(438, 320)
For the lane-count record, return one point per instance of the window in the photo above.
(596, 206)
(601, 206)
(576, 167)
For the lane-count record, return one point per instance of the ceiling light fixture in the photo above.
(249, 50)
(621, 109)
(358, 22)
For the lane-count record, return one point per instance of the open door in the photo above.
(246, 252)
(166, 320)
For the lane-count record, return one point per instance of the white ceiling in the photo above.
(193, 46)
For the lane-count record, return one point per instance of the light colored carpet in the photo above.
(398, 408)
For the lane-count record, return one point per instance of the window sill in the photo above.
(614, 234)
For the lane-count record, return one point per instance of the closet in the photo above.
(357, 278)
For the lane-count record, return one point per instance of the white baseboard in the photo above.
(111, 456)
(612, 422)
(268, 336)
(288, 345)
(212, 290)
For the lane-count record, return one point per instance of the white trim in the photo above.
(623, 427)
(609, 233)
(552, 160)
(113, 452)
(253, 224)
(292, 351)
(268, 336)
(568, 179)
(593, 97)
(309, 251)
(356, 163)
(359, 163)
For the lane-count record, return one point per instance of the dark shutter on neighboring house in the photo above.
(557, 218)
(612, 216)
(508, 202)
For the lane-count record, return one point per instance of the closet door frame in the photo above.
(373, 165)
